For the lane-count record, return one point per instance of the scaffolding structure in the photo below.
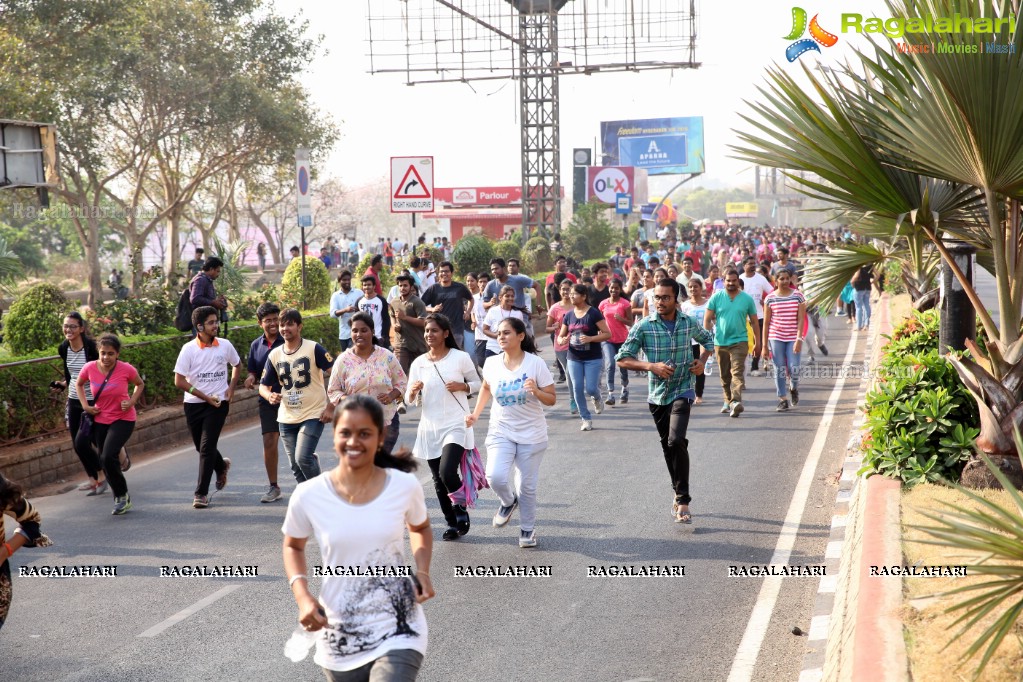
(535, 42)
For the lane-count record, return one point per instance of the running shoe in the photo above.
(587, 425)
(625, 396)
(726, 407)
(794, 394)
(737, 409)
(560, 380)
(610, 401)
(823, 349)
(401, 408)
(598, 405)
(126, 464)
(121, 505)
(201, 502)
(783, 405)
(451, 533)
(222, 476)
(99, 489)
(504, 513)
(754, 373)
(572, 409)
(527, 538)
(88, 485)
(461, 519)
(272, 494)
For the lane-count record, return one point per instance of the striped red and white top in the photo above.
(784, 315)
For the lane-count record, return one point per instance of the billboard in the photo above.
(661, 146)
(604, 183)
(741, 209)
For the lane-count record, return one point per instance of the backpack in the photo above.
(183, 315)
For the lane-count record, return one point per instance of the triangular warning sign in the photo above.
(412, 186)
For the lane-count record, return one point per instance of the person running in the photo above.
(14, 504)
(357, 513)
(599, 291)
(297, 367)
(757, 286)
(728, 313)
(468, 342)
(555, 314)
(861, 284)
(667, 339)
(450, 298)
(445, 378)
(408, 313)
(201, 373)
(696, 308)
(505, 310)
(518, 283)
(376, 264)
(343, 303)
(369, 369)
(784, 315)
(584, 329)
(268, 316)
(478, 314)
(617, 313)
(375, 305)
(75, 350)
(112, 411)
(521, 385)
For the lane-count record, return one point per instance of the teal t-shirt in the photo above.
(730, 317)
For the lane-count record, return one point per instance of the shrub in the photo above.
(33, 322)
(921, 421)
(537, 256)
(917, 334)
(431, 252)
(507, 249)
(318, 285)
(472, 254)
(590, 234)
(133, 316)
(245, 307)
(385, 274)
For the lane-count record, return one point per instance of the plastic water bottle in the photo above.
(298, 646)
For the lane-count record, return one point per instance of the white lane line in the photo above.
(756, 629)
(185, 613)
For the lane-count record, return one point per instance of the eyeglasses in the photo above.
(663, 298)
(71, 327)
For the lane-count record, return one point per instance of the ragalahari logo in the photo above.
(818, 35)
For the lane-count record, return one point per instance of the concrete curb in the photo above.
(855, 632)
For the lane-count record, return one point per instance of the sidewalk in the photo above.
(856, 630)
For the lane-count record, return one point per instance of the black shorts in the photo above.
(268, 418)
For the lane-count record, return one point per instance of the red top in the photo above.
(619, 332)
(370, 272)
(116, 390)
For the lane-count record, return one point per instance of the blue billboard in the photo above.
(661, 146)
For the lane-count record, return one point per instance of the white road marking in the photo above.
(756, 629)
(185, 613)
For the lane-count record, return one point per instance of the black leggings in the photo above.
(701, 379)
(446, 479)
(87, 455)
(110, 438)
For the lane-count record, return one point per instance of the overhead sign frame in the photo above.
(412, 184)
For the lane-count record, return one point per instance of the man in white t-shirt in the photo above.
(757, 286)
(377, 307)
(201, 372)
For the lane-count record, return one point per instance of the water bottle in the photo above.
(298, 646)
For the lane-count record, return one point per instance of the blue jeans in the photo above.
(862, 300)
(345, 343)
(786, 364)
(585, 382)
(610, 350)
(562, 356)
(300, 442)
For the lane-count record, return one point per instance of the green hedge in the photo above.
(29, 409)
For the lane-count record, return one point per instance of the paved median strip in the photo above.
(191, 610)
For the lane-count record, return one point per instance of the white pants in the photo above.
(502, 456)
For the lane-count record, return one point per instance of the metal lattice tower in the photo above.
(431, 41)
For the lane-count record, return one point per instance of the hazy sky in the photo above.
(474, 136)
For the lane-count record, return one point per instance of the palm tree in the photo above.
(10, 267)
(938, 141)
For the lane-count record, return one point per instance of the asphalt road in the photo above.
(604, 501)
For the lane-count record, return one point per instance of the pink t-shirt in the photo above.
(557, 313)
(116, 390)
(619, 332)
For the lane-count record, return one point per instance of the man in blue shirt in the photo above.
(342, 306)
(666, 337)
(268, 315)
(498, 269)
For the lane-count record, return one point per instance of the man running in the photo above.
(409, 315)
(343, 303)
(451, 299)
(517, 282)
(757, 286)
(268, 315)
(201, 373)
(727, 313)
(666, 338)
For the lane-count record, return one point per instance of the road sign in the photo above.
(303, 188)
(411, 184)
(623, 204)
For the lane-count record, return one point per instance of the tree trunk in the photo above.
(173, 244)
(91, 246)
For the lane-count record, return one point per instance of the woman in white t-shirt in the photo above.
(371, 625)
(696, 308)
(520, 384)
(506, 310)
(479, 313)
(445, 377)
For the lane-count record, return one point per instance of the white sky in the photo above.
(474, 137)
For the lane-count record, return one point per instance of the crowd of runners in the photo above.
(462, 355)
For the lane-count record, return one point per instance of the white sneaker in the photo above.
(587, 425)
(527, 538)
(754, 373)
(598, 405)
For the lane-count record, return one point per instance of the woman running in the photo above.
(479, 313)
(445, 377)
(784, 313)
(617, 313)
(371, 370)
(14, 504)
(468, 336)
(584, 329)
(521, 384)
(504, 311)
(372, 627)
(75, 350)
(555, 315)
(113, 412)
(695, 308)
